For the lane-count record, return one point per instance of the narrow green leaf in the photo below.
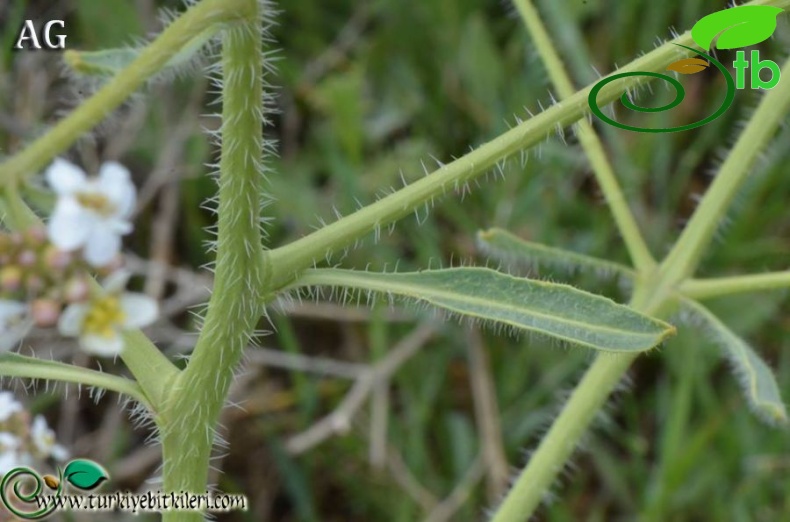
(755, 377)
(16, 365)
(296, 482)
(736, 27)
(511, 249)
(108, 62)
(85, 474)
(556, 310)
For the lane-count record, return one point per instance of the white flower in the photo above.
(8, 406)
(91, 213)
(99, 322)
(14, 323)
(44, 440)
(9, 456)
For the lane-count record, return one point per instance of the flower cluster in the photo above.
(45, 274)
(22, 442)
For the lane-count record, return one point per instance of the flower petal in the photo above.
(15, 334)
(115, 182)
(116, 282)
(64, 177)
(8, 461)
(120, 226)
(8, 441)
(15, 323)
(70, 225)
(8, 407)
(42, 436)
(101, 345)
(102, 246)
(70, 322)
(59, 453)
(139, 310)
(10, 310)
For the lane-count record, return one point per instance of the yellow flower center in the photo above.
(96, 202)
(104, 315)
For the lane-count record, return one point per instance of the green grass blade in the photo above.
(513, 250)
(754, 375)
(556, 310)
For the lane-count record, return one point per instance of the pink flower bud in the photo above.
(76, 289)
(10, 278)
(45, 312)
(27, 258)
(57, 259)
(113, 266)
(36, 236)
(34, 283)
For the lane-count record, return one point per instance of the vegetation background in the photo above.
(369, 92)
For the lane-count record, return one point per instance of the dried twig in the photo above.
(403, 476)
(339, 421)
(487, 417)
(304, 363)
(445, 510)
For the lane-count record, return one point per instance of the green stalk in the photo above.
(684, 257)
(618, 204)
(653, 296)
(242, 272)
(587, 399)
(149, 366)
(560, 442)
(290, 259)
(719, 286)
(151, 60)
(15, 365)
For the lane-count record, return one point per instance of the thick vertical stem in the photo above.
(241, 271)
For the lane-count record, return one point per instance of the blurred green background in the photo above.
(368, 93)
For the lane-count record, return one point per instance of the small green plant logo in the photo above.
(28, 486)
(736, 27)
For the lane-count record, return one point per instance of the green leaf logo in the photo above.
(85, 474)
(736, 27)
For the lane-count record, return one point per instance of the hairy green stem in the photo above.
(304, 252)
(684, 257)
(242, 275)
(18, 216)
(601, 378)
(719, 286)
(149, 366)
(618, 204)
(150, 61)
(653, 295)
(289, 260)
